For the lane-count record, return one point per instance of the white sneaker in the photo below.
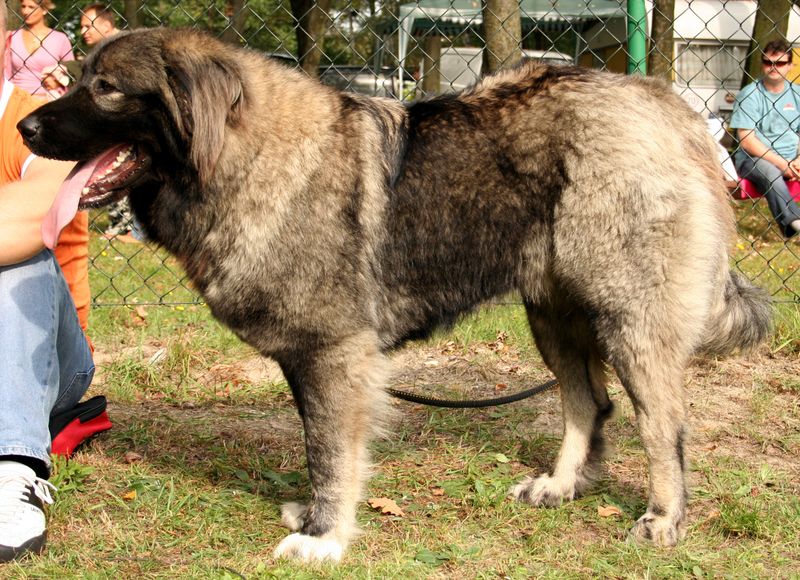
(795, 225)
(23, 527)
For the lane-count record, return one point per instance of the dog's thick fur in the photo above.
(326, 228)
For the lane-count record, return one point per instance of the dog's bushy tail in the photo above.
(741, 319)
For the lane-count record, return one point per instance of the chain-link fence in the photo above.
(707, 49)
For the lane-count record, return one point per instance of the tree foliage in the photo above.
(772, 22)
(347, 28)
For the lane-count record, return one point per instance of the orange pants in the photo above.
(72, 253)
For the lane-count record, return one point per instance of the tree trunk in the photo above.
(131, 14)
(662, 44)
(772, 22)
(312, 18)
(431, 81)
(502, 30)
(236, 15)
(14, 19)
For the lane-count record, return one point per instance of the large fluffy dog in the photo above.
(326, 228)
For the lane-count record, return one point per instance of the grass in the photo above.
(201, 504)
(786, 335)
(207, 444)
(188, 484)
(763, 254)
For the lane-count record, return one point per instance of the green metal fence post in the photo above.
(637, 37)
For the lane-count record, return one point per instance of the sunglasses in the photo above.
(775, 63)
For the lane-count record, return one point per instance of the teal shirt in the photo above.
(774, 116)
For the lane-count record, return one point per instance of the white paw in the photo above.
(309, 549)
(660, 530)
(293, 515)
(543, 491)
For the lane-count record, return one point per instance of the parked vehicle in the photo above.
(360, 79)
(357, 78)
(461, 66)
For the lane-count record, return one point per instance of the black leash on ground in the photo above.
(473, 403)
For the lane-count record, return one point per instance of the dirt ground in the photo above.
(746, 407)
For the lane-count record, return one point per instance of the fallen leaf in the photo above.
(136, 320)
(129, 496)
(132, 457)
(449, 346)
(499, 345)
(141, 312)
(224, 373)
(387, 507)
(437, 492)
(607, 511)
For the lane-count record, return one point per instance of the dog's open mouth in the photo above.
(108, 176)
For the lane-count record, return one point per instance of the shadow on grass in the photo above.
(232, 447)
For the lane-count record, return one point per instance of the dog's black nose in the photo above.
(29, 127)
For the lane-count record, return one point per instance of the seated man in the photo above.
(46, 360)
(766, 116)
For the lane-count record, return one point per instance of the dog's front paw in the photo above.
(543, 491)
(293, 515)
(660, 530)
(309, 549)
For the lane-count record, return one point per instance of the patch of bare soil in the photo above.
(746, 408)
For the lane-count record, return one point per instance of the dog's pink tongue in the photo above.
(66, 203)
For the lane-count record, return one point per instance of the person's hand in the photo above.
(50, 83)
(792, 172)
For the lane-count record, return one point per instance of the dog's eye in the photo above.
(104, 87)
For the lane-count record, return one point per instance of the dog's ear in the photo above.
(206, 95)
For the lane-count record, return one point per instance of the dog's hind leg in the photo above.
(653, 380)
(568, 348)
(340, 392)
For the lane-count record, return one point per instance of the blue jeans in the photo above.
(45, 361)
(768, 180)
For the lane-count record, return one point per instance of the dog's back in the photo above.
(565, 182)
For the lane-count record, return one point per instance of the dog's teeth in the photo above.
(85, 190)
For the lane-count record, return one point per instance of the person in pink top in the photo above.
(34, 48)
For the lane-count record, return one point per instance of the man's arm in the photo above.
(753, 146)
(23, 205)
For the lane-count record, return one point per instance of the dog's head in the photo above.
(151, 105)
